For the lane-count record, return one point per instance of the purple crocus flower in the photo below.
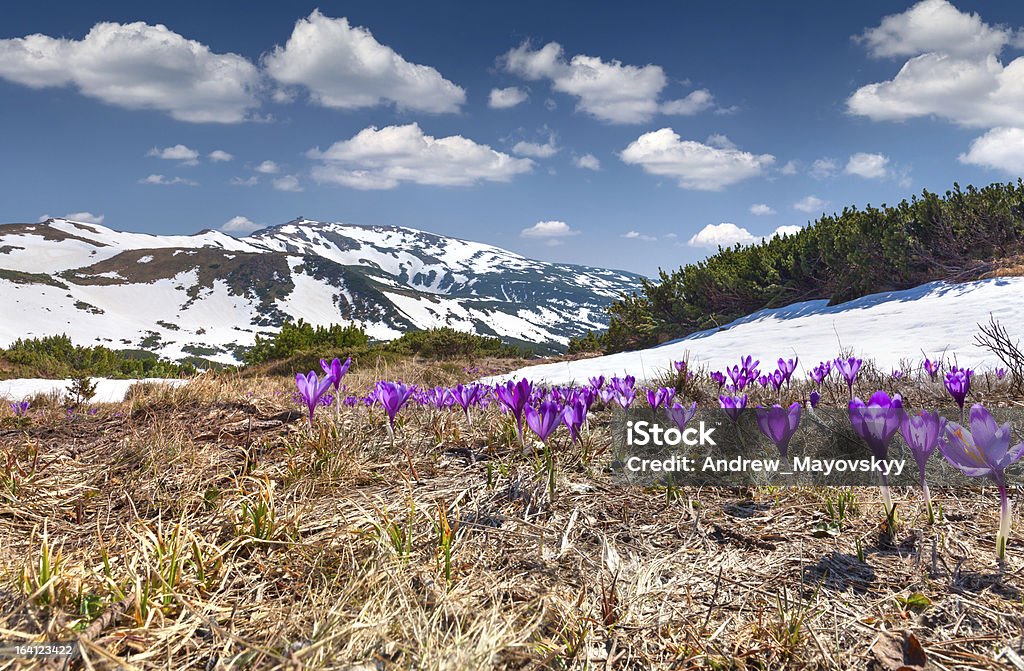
(597, 382)
(311, 389)
(392, 395)
(624, 392)
(680, 366)
(606, 394)
(815, 398)
(876, 422)
(574, 415)
(718, 377)
(897, 375)
(932, 368)
(336, 369)
(1000, 373)
(787, 368)
(733, 406)
(821, 372)
(513, 396)
(984, 451)
(680, 414)
(467, 396)
(958, 384)
(922, 431)
(849, 368)
(544, 419)
(779, 424)
(20, 408)
(661, 396)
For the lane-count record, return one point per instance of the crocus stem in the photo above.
(1004, 522)
(887, 502)
(927, 500)
(408, 457)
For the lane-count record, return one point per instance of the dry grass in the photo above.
(209, 527)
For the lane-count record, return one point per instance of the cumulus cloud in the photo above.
(934, 25)
(288, 183)
(220, 156)
(587, 162)
(244, 181)
(551, 232)
(695, 165)
(138, 66)
(721, 235)
(240, 224)
(607, 90)
(382, 158)
(868, 166)
(636, 235)
(163, 180)
(694, 103)
(506, 97)
(786, 230)
(823, 168)
(178, 152)
(536, 149)
(953, 70)
(85, 217)
(725, 234)
(1000, 149)
(761, 210)
(268, 168)
(344, 66)
(810, 204)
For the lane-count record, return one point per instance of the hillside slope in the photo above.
(891, 328)
(210, 294)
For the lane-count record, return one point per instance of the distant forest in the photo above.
(966, 234)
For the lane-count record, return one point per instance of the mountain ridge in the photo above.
(209, 294)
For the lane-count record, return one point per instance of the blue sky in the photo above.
(634, 138)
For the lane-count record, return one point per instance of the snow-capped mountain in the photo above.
(894, 329)
(210, 294)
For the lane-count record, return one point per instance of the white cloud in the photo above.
(288, 183)
(868, 166)
(1000, 148)
(693, 164)
(246, 181)
(549, 230)
(163, 180)
(240, 224)
(85, 217)
(934, 25)
(383, 158)
(537, 150)
(220, 156)
(268, 168)
(694, 103)
(506, 97)
(810, 204)
(606, 90)
(721, 235)
(790, 168)
(345, 67)
(178, 152)
(714, 236)
(636, 235)
(786, 230)
(761, 210)
(587, 162)
(953, 72)
(823, 168)
(138, 66)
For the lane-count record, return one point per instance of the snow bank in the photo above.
(107, 391)
(889, 327)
